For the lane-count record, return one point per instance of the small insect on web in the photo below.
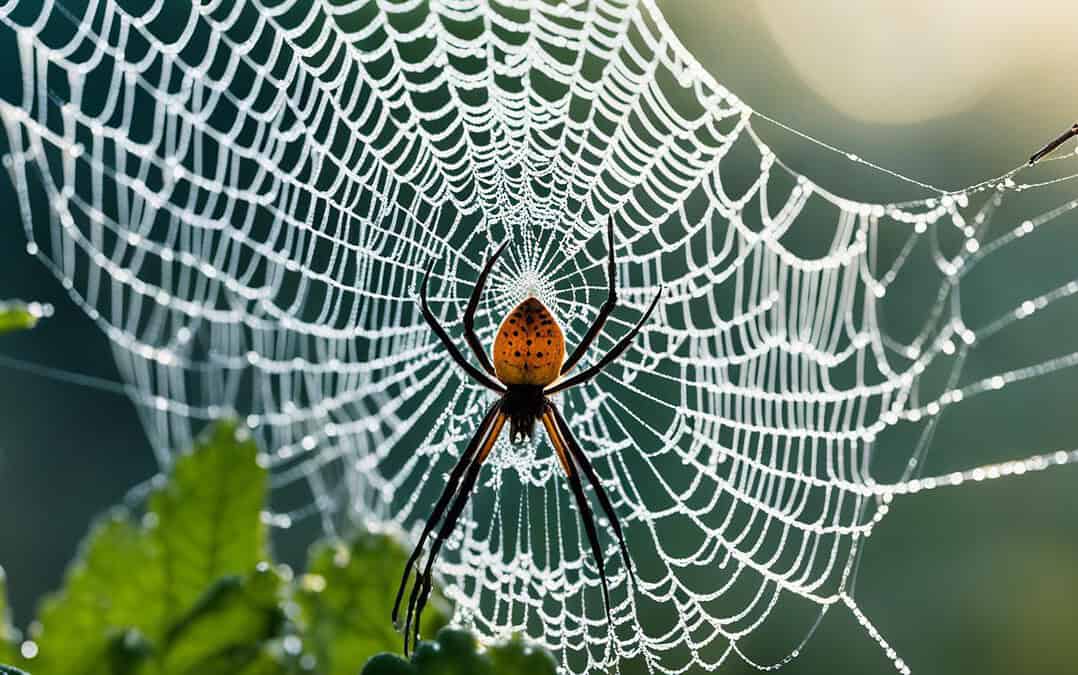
(524, 381)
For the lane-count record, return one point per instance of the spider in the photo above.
(529, 362)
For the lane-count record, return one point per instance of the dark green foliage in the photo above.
(389, 664)
(229, 627)
(189, 588)
(516, 656)
(146, 596)
(456, 652)
(9, 637)
(207, 520)
(16, 316)
(346, 599)
(112, 588)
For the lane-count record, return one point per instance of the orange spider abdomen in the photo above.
(530, 347)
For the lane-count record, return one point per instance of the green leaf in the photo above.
(518, 657)
(131, 584)
(20, 315)
(272, 660)
(9, 637)
(269, 661)
(456, 652)
(126, 653)
(208, 517)
(114, 585)
(225, 631)
(346, 599)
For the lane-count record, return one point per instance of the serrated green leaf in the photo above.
(114, 585)
(227, 629)
(209, 516)
(130, 580)
(346, 599)
(18, 316)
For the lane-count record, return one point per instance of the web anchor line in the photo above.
(67, 377)
(874, 633)
(849, 155)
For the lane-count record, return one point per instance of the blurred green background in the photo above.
(978, 579)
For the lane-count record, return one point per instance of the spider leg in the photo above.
(610, 356)
(604, 500)
(608, 305)
(422, 587)
(581, 503)
(450, 347)
(473, 304)
(443, 501)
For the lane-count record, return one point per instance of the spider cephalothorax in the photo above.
(529, 362)
(524, 405)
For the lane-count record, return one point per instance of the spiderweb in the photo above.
(244, 196)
